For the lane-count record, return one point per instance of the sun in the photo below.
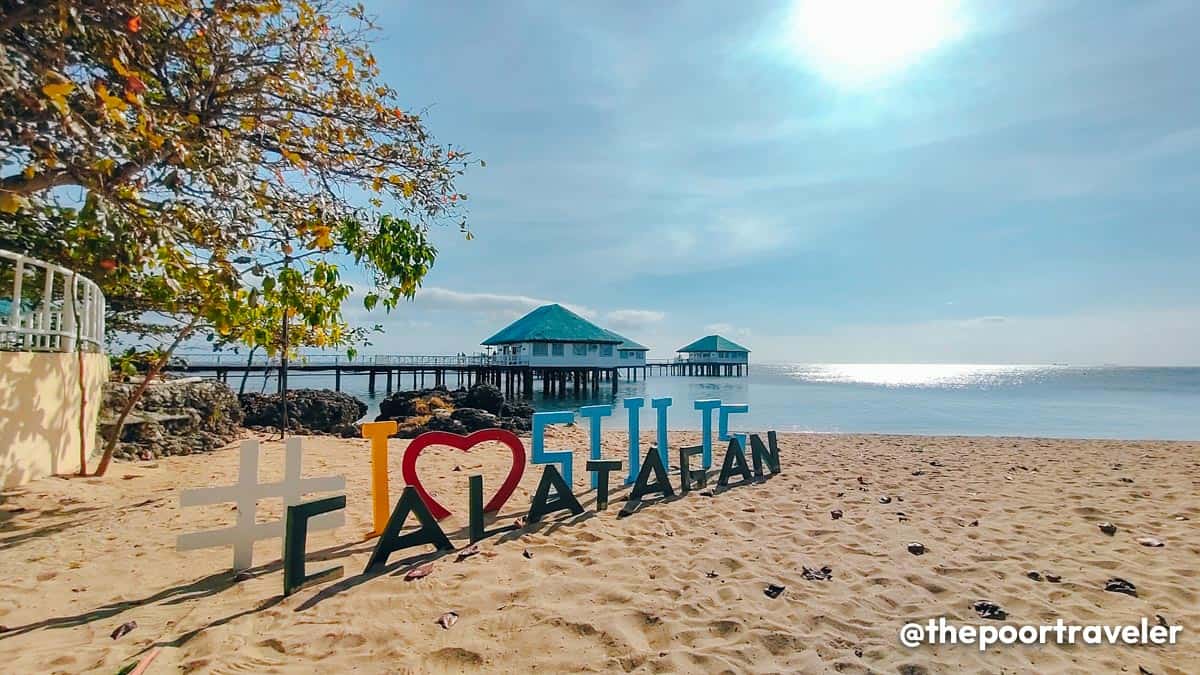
(860, 42)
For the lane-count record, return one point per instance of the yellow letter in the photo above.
(378, 432)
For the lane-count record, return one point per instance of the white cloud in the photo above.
(434, 297)
(727, 329)
(514, 306)
(632, 319)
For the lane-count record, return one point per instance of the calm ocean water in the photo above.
(985, 400)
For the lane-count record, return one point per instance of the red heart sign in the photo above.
(408, 466)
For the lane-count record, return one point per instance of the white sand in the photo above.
(80, 557)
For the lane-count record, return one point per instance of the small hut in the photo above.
(713, 355)
(554, 336)
(561, 347)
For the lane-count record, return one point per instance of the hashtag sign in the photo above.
(246, 493)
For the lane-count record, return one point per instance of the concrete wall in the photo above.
(39, 412)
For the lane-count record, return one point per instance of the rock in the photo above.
(1053, 578)
(319, 411)
(419, 572)
(517, 409)
(401, 404)
(773, 590)
(443, 423)
(123, 629)
(1118, 585)
(989, 610)
(1150, 541)
(836, 514)
(1108, 528)
(485, 397)
(916, 548)
(474, 419)
(177, 416)
(885, 500)
(447, 620)
(1035, 575)
(823, 574)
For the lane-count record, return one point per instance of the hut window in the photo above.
(579, 350)
(556, 349)
(606, 350)
(624, 354)
(539, 349)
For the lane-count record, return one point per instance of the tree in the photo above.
(219, 148)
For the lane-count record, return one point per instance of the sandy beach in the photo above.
(677, 586)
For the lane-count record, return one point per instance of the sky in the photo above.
(959, 182)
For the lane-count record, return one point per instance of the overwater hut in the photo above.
(713, 355)
(565, 350)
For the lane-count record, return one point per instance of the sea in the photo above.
(1059, 401)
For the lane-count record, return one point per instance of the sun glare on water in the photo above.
(859, 42)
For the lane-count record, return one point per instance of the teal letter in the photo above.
(391, 540)
(295, 538)
(762, 455)
(563, 497)
(634, 405)
(644, 486)
(723, 422)
(735, 462)
(706, 406)
(594, 413)
(600, 469)
(539, 455)
(660, 405)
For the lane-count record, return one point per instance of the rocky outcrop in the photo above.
(174, 417)
(310, 411)
(484, 397)
(459, 411)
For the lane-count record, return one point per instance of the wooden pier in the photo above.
(512, 377)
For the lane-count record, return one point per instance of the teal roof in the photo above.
(552, 323)
(627, 344)
(713, 343)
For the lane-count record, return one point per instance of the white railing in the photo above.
(49, 307)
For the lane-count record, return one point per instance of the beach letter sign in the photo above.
(246, 493)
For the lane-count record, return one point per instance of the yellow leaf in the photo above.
(114, 106)
(120, 68)
(57, 93)
(193, 118)
(247, 123)
(11, 202)
(409, 188)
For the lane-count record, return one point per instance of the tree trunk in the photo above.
(245, 375)
(151, 373)
(82, 384)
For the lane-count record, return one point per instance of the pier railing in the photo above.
(216, 360)
(48, 308)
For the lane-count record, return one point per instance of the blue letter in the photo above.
(594, 413)
(633, 405)
(706, 406)
(723, 422)
(540, 456)
(661, 405)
